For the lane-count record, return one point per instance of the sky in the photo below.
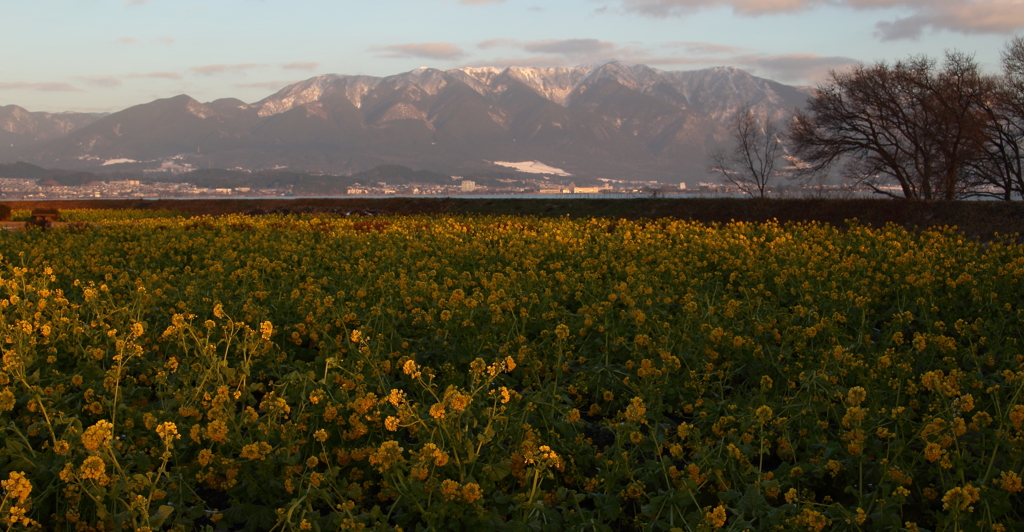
(107, 55)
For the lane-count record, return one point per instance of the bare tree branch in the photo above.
(751, 164)
(907, 123)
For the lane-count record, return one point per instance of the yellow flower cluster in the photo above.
(960, 498)
(17, 486)
(98, 435)
(256, 451)
(1010, 481)
(716, 518)
(443, 372)
(388, 454)
(17, 490)
(168, 432)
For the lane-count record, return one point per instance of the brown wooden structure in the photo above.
(44, 217)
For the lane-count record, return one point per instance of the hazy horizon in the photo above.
(106, 55)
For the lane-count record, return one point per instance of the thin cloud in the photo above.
(796, 67)
(127, 40)
(309, 66)
(499, 43)
(665, 8)
(573, 50)
(91, 109)
(480, 2)
(44, 86)
(165, 40)
(105, 81)
(266, 85)
(960, 16)
(535, 62)
(904, 28)
(209, 70)
(979, 17)
(788, 68)
(571, 47)
(158, 75)
(427, 50)
(703, 48)
(136, 2)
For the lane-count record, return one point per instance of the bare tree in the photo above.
(750, 164)
(907, 123)
(1010, 117)
(1013, 108)
(998, 171)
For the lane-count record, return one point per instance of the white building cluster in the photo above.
(13, 188)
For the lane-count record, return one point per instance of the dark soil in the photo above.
(978, 219)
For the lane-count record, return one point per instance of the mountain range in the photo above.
(614, 120)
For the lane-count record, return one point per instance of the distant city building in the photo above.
(468, 186)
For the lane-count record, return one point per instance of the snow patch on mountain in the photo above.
(635, 76)
(429, 80)
(357, 87)
(555, 84)
(533, 167)
(478, 79)
(482, 74)
(198, 109)
(118, 161)
(716, 92)
(295, 95)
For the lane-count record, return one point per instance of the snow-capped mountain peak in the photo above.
(610, 118)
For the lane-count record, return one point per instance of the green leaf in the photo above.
(162, 513)
(753, 503)
(610, 510)
(14, 446)
(500, 471)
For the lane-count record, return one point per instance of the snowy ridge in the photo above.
(555, 84)
(295, 95)
(429, 80)
(715, 91)
(635, 76)
(41, 125)
(608, 119)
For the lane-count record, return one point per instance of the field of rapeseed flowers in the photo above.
(317, 373)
